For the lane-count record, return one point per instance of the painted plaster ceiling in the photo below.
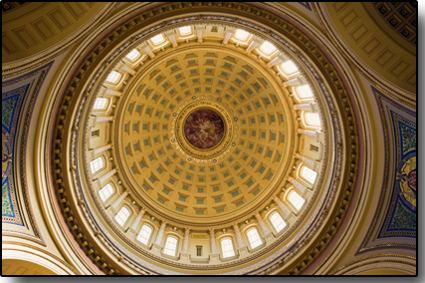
(214, 186)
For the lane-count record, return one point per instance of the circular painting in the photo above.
(204, 128)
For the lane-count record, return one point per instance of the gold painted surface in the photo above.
(393, 59)
(214, 183)
(295, 267)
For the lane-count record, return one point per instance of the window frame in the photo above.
(282, 69)
(100, 168)
(273, 213)
(128, 216)
(176, 245)
(299, 97)
(135, 58)
(263, 52)
(232, 245)
(117, 80)
(158, 44)
(105, 105)
(303, 168)
(181, 34)
(293, 205)
(242, 40)
(304, 119)
(109, 196)
(259, 237)
(150, 235)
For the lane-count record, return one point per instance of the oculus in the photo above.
(204, 128)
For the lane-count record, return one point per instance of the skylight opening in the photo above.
(158, 39)
(185, 30)
(133, 54)
(296, 200)
(304, 92)
(241, 34)
(289, 67)
(267, 48)
(113, 77)
(100, 103)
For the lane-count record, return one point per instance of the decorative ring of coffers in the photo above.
(87, 233)
(179, 138)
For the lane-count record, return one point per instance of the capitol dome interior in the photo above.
(209, 138)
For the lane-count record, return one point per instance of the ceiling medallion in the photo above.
(203, 129)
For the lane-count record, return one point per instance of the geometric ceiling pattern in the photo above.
(200, 189)
(401, 16)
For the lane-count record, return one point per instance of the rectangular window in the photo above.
(95, 133)
(199, 250)
(312, 147)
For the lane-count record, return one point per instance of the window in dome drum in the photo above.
(314, 148)
(199, 250)
(95, 133)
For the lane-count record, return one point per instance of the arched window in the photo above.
(311, 119)
(145, 234)
(113, 77)
(133, 54)
(254, 238)
(267, 48)
(296, 200)
(227, 247)
(185, 30)
(157, 39)
(106, 192)
(308, 174)
(277, 222)
(96, 164)
(289, 67)
(170, 246)
(100, 103)
(122, 216)
(241, 34)
(304, 92)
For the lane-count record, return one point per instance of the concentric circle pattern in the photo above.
(222, 181)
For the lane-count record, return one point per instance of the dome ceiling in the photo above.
(203, 129)
(214, 183)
